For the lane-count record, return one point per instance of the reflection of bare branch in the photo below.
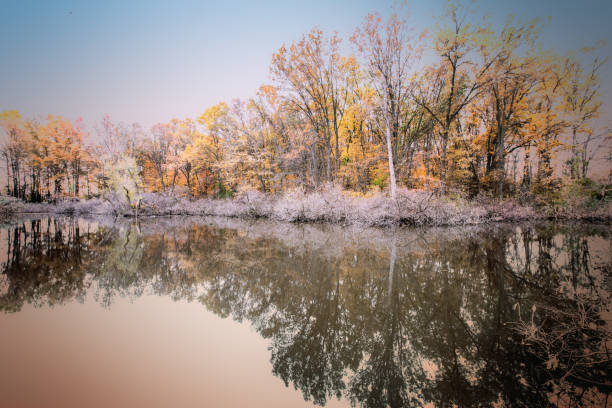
(573, 338)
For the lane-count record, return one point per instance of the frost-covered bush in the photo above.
(329, 205)
(157, 203)
(509, 210)
(9, 205)
(93, 206)
(115, 203)
(290, 207)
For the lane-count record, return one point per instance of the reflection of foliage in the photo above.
(423, 322)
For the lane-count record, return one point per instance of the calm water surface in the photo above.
(199, 312)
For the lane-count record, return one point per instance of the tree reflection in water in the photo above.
(503, 315)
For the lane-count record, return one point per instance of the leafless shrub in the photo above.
(9, 205)
(158, 203)
(329, 205)
(115, 204)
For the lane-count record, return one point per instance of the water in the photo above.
(215, 312)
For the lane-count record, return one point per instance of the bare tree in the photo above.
(388, 52)
(463, 80)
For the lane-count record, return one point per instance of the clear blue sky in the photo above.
(149, 61)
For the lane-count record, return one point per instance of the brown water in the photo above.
(190, 312)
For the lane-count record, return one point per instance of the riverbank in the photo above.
(411, 207)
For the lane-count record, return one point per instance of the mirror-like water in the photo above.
(216, 312)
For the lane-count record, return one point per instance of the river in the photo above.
(189, 311)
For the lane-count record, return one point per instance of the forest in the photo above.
(464, 110)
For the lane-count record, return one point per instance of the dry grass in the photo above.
(332, 205)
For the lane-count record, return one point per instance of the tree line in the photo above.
(470, 108)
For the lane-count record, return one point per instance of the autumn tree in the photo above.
(388, 53)
(462, 78)
(271, 148)
(206, 151)
(14, 151)
(156, 150)
(582, 105)
(511, 79)
(181, 133)
(316, 82)
(65, 154)
(545, 121)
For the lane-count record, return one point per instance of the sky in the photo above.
(151, 61)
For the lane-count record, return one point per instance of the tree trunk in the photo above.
(392, 184)
(574, 160)
(8, 180)
(187, 171)
(499, 160)
(527, 168)
(328, 151)
(426, 159)
(443, 163)
(77, 181)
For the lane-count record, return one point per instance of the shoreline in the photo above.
(410, 208)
